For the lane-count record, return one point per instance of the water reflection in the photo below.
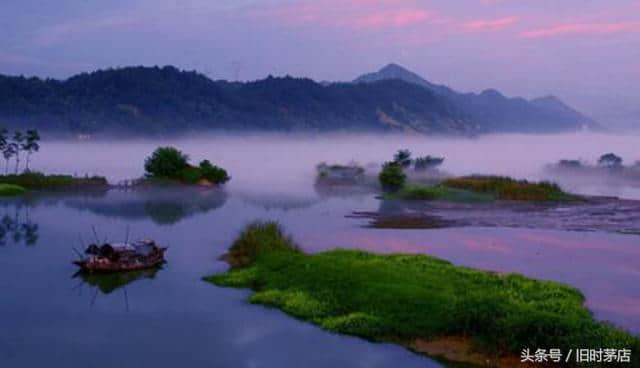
(163, 205)
(108, 283)
(279, 202)
(18, 227)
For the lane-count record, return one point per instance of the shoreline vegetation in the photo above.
(394, 180)
(28, 181)
(423, 303)
(407, 178)
(20, 147)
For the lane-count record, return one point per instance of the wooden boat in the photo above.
(108, 258)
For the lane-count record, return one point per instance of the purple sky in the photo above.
(584, 51)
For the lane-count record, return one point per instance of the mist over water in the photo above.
(278, 164)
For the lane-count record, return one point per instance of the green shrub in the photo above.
(166, 162)
(256, 239)
(190, 175)
(170, 163)
(213, 173)
(392, 178)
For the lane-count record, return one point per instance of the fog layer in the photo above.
(268, 164)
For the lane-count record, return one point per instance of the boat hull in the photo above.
(104, 265)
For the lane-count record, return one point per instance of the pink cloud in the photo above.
(491, 25)
(582, 28)
(392, 18)
(355, 14)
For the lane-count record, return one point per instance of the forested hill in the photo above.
(163, 101)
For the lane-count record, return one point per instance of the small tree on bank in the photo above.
(18, 139)
(11, 147)
(7, 153)
(166, 162)
(213, 173)
(392, 178)
(610, 161)
(31, 145)
(402, 158)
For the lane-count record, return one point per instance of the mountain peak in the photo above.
(395, 71)
(393, 67)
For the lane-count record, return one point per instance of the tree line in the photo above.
(12, 146)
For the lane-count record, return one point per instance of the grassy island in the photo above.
(426, 304)
(483, 189)
(511, 189)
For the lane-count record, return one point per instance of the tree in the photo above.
(4, 147)
(402, 158)
(610, 160)
(7, 152)
(18, 139)
(31, 145)
(392, 178)
(166, 162)
(3, 138)
(213, 173)
(427, 163)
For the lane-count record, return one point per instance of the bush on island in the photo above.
(171, 163)
(392, 178)
(166, 162)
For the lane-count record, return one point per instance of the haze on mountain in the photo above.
(151, 101)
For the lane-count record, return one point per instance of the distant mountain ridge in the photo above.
(147, 101)
(492, 110)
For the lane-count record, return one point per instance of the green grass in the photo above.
(9, 190)
(510, 189)
(401, 298)
(420, 192)
(39, 181)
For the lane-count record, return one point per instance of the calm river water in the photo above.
(171, 318)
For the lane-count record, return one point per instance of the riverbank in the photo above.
(421, 302)
(39, 181)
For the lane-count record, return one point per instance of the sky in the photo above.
(586, 52)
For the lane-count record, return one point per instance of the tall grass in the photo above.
(258, 238)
